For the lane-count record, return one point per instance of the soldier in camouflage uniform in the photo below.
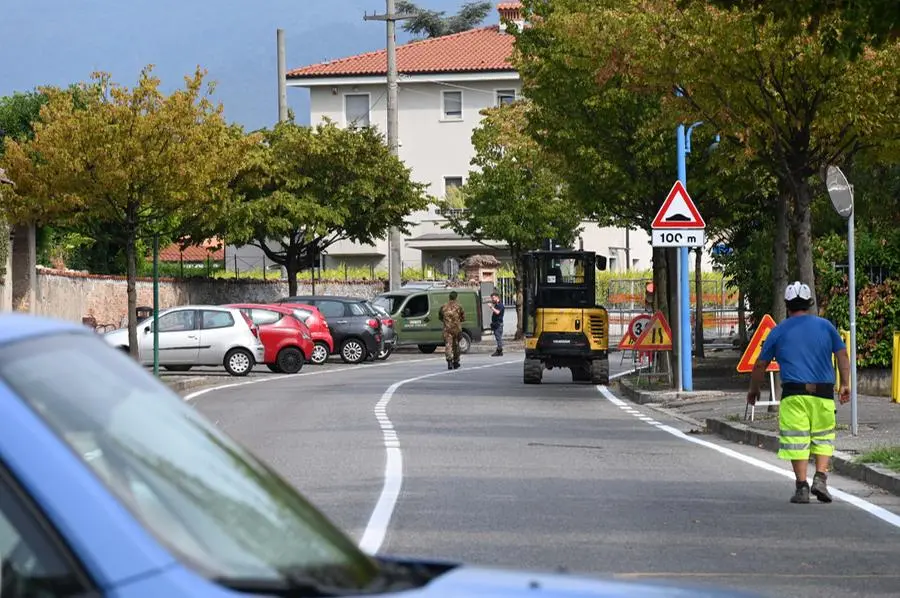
(452, 315)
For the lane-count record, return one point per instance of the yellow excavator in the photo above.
(563, 324)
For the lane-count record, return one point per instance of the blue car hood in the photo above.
(494, 583)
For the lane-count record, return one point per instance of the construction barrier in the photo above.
(895, 370)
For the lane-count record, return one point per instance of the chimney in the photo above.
(510, 12)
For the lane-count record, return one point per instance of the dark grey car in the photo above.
(355, 326)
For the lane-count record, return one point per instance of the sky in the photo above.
(58, 42)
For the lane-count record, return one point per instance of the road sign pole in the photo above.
(684, 295)
(841, 192)
(851, 246)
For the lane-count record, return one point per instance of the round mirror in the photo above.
(840, 191)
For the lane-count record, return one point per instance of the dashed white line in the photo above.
(879, 512)
(376, 529)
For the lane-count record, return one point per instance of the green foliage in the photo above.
(433, 23)
(889, 456)
(877, 290)
(309, 188)
(515, 195)
(125, 164)
(18, 112)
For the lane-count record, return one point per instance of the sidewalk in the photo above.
(718, 404)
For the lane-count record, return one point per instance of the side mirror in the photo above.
(146, 330)
(405, 312)
(601, 262)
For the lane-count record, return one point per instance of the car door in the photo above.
(416, 320)
(179, 338)
(335, 313)
(33, 556)
(217, 336)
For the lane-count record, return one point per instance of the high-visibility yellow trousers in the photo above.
(806, 425)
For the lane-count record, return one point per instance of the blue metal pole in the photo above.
(684, 327)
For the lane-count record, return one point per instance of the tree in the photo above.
(140, 161)
(516, 195)
(433, 23)
(308, 188)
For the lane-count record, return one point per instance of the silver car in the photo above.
(197, 335)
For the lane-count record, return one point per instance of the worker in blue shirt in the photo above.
(803, 345)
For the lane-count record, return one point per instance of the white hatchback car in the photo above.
(198, 335)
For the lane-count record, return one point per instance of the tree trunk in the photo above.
(780, 260)
(131, 292)
(803, 237)
(698, 312)
(517, 293)
(290, 267)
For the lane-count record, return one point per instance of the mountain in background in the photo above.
(59, 42)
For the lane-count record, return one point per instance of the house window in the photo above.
(356, 109)
(452, 101)
(452, 182)
(506, 96)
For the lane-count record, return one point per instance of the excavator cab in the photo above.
(563, 324)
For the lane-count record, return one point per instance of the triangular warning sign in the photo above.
(627, 342)
(751, 354)
(657, 336)
(678, 211)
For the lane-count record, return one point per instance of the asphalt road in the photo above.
(557, 475)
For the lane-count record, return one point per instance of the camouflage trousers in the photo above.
(451, 346)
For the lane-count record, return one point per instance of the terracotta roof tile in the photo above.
(212, 249)
(485, 49)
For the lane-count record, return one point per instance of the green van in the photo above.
(415, 313)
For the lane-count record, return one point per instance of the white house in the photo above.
(444, 83)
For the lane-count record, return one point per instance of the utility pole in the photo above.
(395, 240)
(282, 79)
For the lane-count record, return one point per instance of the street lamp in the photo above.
(841, 192)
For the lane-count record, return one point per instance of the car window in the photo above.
(262, 317)
(331, 309)
(302, 314)
(390, 303)
(416, 307)
(213, 504)
(357, 309)
(178, 321)
(216, 319)
(34, 563)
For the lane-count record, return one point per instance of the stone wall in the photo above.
(75, 295)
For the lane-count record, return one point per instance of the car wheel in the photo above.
(273, 367)
(319, 354)
(384, 353)
(290, 360)
(178, 368)
(427, 349)
(465, 342)
(353, 351)
(239, 362)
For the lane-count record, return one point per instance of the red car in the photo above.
(318, 327)
(287, 340)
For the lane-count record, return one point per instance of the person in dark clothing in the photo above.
(497, 312)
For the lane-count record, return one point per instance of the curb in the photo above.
(841, 463)
(182, 385)
(873, 474)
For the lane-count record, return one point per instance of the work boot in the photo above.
(820, 487)
(497, 353)
(455, 365)
(801, 494)
(450, 365)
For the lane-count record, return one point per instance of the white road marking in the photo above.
(879, 512)
(376, 529)
(194, 395)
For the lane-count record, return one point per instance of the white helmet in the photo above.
(797, 290)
